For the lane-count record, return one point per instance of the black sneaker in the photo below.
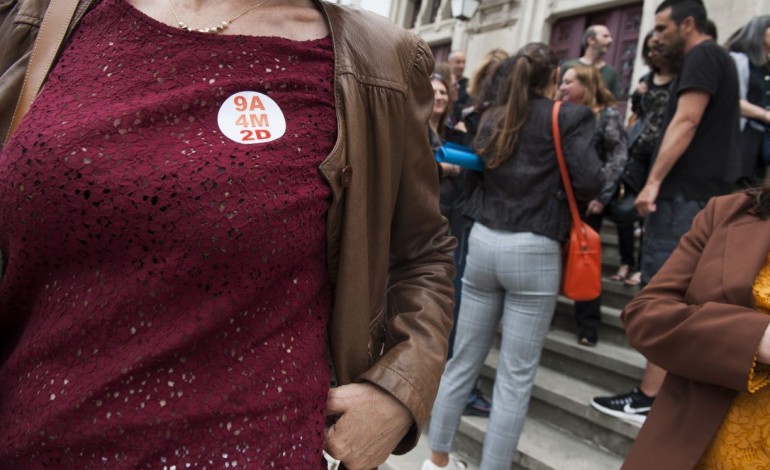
(632, 406)
(477, 405)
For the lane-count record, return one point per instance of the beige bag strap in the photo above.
(49, 40)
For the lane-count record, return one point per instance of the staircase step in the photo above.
(562, 430)
(413, 460)
(565, 400)
(541, 447)
(611, 363)
(622, 360)
(610, 315)
(616, 294)
(610, 330)
(611, 366)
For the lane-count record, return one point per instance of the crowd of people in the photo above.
(230, 244)
(698, 131)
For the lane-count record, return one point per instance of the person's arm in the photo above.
(752, 111)
(386, 407)
(616, 149)
(420, 294)
(712, 342)
(577, 126)
(691, 105)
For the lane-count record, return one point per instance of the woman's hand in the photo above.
(371, 423)
(594, 207)
(763, 350)
(450, 170)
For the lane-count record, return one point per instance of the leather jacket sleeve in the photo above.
(420, 296)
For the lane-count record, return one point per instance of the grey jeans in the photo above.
(513, 278)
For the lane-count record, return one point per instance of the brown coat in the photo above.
(697, 320)
(389, 255)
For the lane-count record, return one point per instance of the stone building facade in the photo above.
(509, 24)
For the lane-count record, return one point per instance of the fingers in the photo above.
(594, 207)
(335, 404)
(645, 208)
(335, 444)
(645, 201)
(371, 423)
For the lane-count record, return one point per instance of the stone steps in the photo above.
(541, 447)
(562, 430)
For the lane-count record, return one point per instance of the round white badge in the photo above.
(250, 117)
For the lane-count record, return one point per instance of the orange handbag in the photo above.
(581, 277)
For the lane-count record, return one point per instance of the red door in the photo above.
(566, 35)
(624, 25)
(441, 52)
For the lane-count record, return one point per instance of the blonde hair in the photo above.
(485, 69)
(597, 96)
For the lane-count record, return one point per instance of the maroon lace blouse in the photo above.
(166, 295)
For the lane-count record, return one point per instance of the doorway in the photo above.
(624, 24)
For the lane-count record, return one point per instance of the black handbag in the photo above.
(621, 208)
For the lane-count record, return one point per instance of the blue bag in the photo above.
(459, 155)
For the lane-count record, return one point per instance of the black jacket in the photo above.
(525, 194)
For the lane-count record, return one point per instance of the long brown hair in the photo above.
(533, 71)
(597, 96)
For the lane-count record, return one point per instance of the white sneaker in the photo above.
(453, 464)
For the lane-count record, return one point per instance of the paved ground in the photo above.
(414, 459)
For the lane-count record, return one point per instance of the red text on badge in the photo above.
(251, 117)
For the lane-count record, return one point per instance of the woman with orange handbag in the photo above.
(513, 267)
(582, 84)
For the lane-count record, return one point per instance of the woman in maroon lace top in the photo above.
(175, 256)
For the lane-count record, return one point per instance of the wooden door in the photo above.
(566, 35)
(441, 52)
(624, 24)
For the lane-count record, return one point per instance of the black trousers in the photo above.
(588, 313)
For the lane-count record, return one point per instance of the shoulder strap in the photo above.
(49, 40)
(562, 164)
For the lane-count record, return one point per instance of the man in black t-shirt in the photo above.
(697, 158)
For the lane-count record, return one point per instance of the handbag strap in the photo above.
(562, 165)
(49, 40)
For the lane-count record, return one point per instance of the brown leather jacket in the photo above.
(389, 255)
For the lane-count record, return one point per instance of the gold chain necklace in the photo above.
(216, 28)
